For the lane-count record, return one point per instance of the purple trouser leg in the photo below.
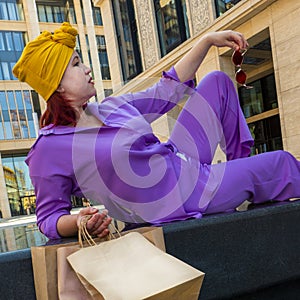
(268, 176)
(218, 119)
(212, 115)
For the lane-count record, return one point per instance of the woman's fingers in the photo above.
(98, 224)
(229, 38)
(239, 40)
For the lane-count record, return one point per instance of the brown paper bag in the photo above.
(44, 265)
(69, 285)
(44, 262)
(132, 268)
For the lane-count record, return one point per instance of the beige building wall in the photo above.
(254, 18)
(33, 27)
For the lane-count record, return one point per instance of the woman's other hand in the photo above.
(188, 65)
(227, 38)
(98, 224)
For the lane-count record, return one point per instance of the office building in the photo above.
(129, 43)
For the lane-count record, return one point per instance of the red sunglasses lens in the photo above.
(237, 58)
(240, 77)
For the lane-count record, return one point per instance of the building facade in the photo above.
(129, 43)
(20, 106)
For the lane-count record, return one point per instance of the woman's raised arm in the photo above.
(187, 66)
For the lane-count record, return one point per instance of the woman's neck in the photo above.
(87, 119)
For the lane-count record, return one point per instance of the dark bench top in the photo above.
(241, 252)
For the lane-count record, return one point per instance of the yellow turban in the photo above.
(45, 59)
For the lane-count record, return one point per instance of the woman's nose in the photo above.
(87, 70)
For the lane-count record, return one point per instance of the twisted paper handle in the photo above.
(84, 235)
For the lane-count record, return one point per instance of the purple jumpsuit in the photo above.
(124, 166)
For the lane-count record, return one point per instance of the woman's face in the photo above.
(77, 85)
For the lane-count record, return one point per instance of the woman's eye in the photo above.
(76, 64)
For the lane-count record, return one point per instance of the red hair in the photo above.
(59, 112)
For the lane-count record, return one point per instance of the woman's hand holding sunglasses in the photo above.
(239, 44)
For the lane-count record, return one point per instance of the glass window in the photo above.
(35, 103)
(127, 37)
(49, 15)
(2, 45)
(72, 15)
(11, 10)
(41, 13)
(9, 41)
(3, 11)
(266, 134)
(11, 7)
(58, 14)
(172, 23)
(103, 57)
(56, 11)
(18, 42)
(11, 46)
(262, 97)
(97, 15)
(82, 12)
(18, 184)
(19, 9)
(223, 5)
(5, 71)
(17, 109)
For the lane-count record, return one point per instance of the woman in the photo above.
(107, 152)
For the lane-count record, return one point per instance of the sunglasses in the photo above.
(240, 75)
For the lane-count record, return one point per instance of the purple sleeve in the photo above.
(172, 74)
(52, 201)
(162, 96)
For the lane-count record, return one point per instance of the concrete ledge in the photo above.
(245, 255)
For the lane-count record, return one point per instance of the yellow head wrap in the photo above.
(45, 59)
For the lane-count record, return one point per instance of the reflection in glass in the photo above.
(267, 135)
(56, 11)
(18, 184)
(127, 37)
(2, 45)
(262, 97)
(101, 45)
(11, 10)
(20, 237)
(5, 71)
(17, 108)
(223, 5)
(97, 15)
(172, 23)
(11, 45)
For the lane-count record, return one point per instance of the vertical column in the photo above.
(81, 31)
(111, 43)
(200, 15)
(148, 39)
(4, 204)
(31, 17)
(93, 47)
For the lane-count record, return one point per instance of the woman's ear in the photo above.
(60, 89)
